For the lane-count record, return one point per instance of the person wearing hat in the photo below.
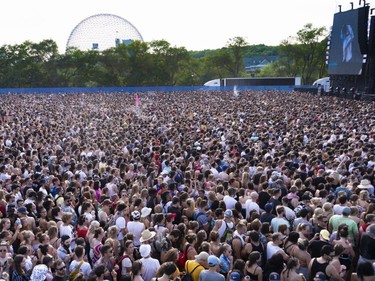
(211, 273)
(318, 242)
(194, 267)
(320, 276)
(136, 227)
(145, 216)
(22, 214)
(40, 273)
(147, 236)
(224, 226)
(274, 276)
(149, 264)
(336, 220)
(267, 215)
(365, 184)
(323, 264)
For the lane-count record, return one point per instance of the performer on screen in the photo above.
(347, 37)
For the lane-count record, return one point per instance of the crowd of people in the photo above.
(191, 186)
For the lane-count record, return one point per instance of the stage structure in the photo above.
(351, 54)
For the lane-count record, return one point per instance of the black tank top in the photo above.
(258, 248)
(253, 277)
(318, 267)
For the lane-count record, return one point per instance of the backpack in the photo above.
(197, 215)
(182, 258)
(74, 273)
(119, 263)
(188, 275)
(227, 233)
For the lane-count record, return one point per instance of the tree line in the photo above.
(157, 63)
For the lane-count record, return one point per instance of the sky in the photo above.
(194, 24)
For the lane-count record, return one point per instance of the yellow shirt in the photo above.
(189, 267)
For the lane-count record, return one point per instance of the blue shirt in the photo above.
(224, 264)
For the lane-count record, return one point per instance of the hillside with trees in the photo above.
(157, 63)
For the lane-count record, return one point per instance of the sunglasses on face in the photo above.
(61, 268)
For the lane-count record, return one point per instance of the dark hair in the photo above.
(136, 267)
(169, 268)
(365, 269)
(47, 260)
(253, 257)
(293, 237)
(326, 250)
(17, 264)
(292, 263)
(79, 250)
(104, 249)
(99, 270)
(254, 236)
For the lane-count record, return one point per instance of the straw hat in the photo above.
(147, 235)
(365, 184)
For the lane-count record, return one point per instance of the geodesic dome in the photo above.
(102, 31)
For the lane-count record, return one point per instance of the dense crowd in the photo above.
(191, 186)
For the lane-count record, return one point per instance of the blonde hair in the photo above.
(66, 216)
(93, 226)
(26, 234)
(112, 231)
(364, 195)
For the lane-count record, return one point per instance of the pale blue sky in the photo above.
(194, 24)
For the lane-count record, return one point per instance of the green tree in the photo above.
(303, 55)
(236, 47)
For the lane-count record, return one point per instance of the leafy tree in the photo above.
(236, 46)
(303, 55)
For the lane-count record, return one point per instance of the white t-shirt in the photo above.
(85, 267)
(250, 205)
(272, 249)
(136, 228)
(229, 202)
(149, 268)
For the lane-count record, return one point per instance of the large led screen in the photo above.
(345, 55)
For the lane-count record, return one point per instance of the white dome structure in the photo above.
(102, 31)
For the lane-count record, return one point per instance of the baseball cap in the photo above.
(228, 213)
(274, 276)
(22, 210)
(320, 276)
(213, 261)
(136, 215)
(235, 276)
(268, 207)
(325, 234)
(346, 211)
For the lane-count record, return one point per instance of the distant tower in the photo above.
(102, 31)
